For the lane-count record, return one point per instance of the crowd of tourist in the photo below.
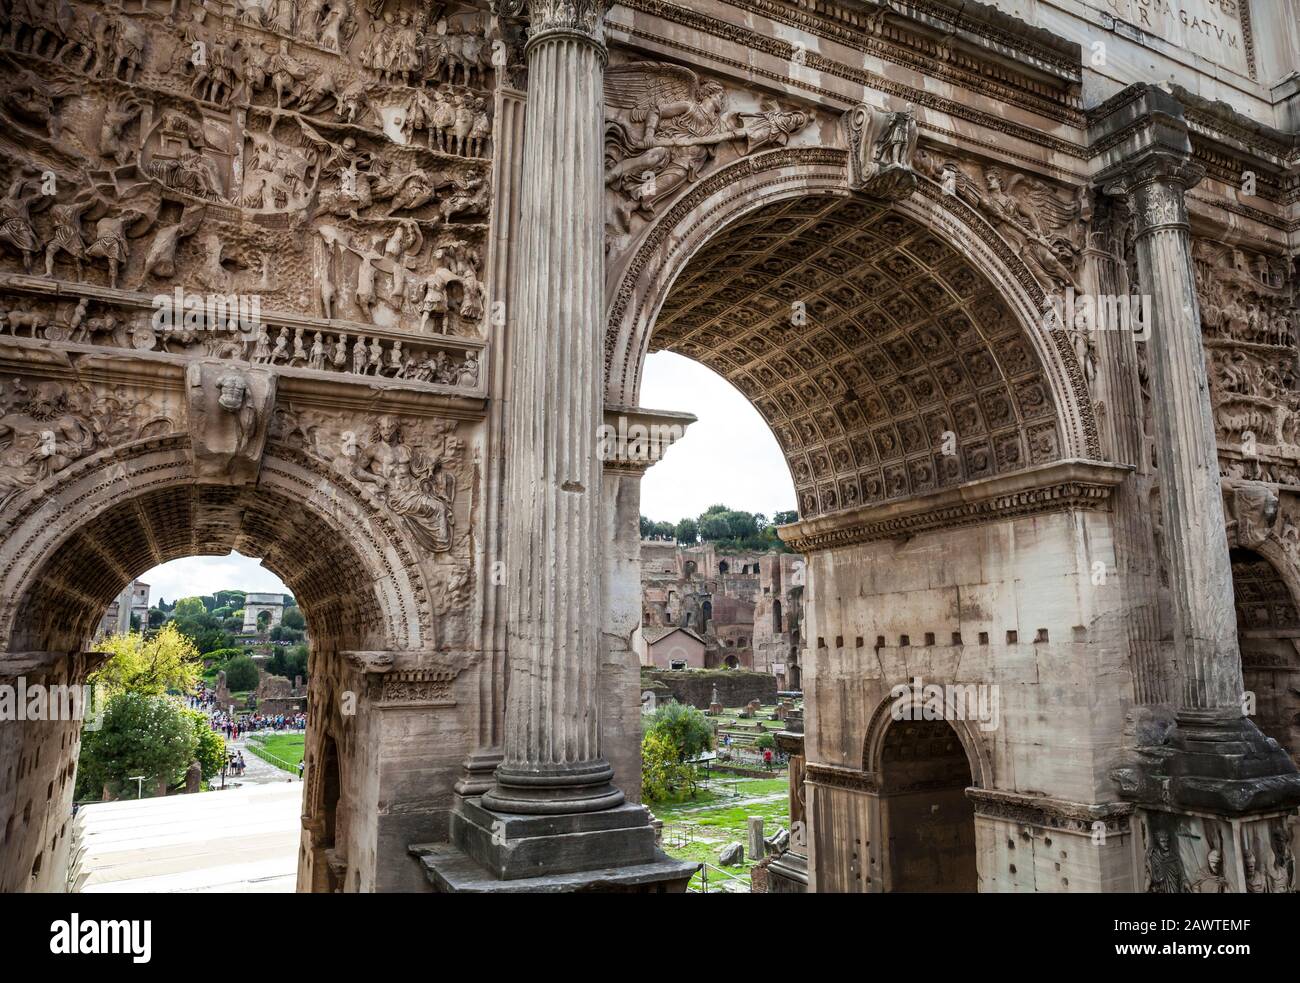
(234, 725)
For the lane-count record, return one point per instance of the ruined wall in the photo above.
(736, 687)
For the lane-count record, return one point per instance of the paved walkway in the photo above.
(258, 771)
(241, 839)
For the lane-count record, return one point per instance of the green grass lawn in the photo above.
(717, 816)
(288, 748)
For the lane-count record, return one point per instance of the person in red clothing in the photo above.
(767, 758)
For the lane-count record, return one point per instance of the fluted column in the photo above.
(1200, 573)
(553, 761)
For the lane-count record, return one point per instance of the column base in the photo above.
(543, 791)
(479, 772)
(1212, 763)
(611, 850)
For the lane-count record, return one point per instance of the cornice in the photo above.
(1050, 813)
(893, 42)
(1054, 487)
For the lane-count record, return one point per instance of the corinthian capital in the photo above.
(585, 18)
(1154, 185)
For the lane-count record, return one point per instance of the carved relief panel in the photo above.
(321, 166)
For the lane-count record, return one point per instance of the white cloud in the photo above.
(195, 576)
(729, 456)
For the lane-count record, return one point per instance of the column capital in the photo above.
(1155, 185)
(1142, 147)
(579, 19)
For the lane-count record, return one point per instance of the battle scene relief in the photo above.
(300, 184)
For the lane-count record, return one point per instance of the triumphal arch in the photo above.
(363, 287)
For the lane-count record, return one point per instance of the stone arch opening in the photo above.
(113, 517)
(1268, 634)
(927, 822)
(917, 322)
(888, 361)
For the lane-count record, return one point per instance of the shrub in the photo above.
(662, 772)
(241, 674)
(686, 727)
(140, 735)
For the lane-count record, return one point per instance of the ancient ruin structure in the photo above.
(352, 286)
(257, 604)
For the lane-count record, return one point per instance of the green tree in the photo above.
(219, 657)
(230, 598)
(156, 618)
(209, 746)
(281, 633)
(662, 773)
(140, 734)
(687, 532)
(288, 662)
(686, 727)
(784, 518)
(189, 607)
(714, 526)
(292, 618)
(167, 661)
(211, 639)
(241, 674)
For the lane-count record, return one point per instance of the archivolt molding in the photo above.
(668, 244)
(49, 516)
(981, 768)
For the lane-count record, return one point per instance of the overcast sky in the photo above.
(728, 457)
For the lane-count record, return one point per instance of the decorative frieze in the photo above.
(1065, 485)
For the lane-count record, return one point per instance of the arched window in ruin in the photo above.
(776, 616)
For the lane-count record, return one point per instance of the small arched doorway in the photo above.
(927, 822)
(1268, 630)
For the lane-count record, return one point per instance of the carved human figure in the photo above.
(16, 229)
(235, 397)
(1164, 868)
(467, 376)
(261, 347)
(280, 352)
(66, 218)
(317, 359)
(110, 242)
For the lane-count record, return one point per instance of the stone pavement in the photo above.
(256, 770)
(239, 840)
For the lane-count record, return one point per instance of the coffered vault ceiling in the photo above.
(902, 341)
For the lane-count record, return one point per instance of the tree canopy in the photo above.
(169, 661)
(725, 527)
